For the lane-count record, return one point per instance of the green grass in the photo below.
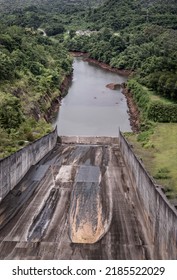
(159, 155)
(155, 97)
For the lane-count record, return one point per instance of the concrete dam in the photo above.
(82, 198)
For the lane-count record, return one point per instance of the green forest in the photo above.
(32, 69)
(137, 35)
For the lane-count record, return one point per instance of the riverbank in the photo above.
(133, 109)
(103, 65)
(57, 101)
(90, 108)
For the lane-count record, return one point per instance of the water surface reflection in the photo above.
(91, 109)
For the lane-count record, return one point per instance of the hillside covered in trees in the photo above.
(138, 35)
(32, 69)
(118, 14)
(48, 5)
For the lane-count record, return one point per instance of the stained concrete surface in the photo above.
(77, 203)
(14, 167)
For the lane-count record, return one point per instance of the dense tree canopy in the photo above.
(140, 35)
(32, 68)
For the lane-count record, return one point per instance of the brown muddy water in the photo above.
(90, 108)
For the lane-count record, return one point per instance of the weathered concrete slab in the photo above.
(13, 168)
(40, 172)
(83, 206)
(88, 174)
(89, 140)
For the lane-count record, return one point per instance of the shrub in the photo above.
(162, 173)
(156, 111)
(10, 112)
(161, 112)
(140, 95)
(21, 142)
(30, 137)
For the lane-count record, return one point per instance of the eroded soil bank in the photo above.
(133, 110)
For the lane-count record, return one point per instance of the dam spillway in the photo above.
(39, 219)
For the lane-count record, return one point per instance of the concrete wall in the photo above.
(14, 167)
(161, 216)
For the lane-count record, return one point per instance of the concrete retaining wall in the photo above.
(14, 167)
(161, 216)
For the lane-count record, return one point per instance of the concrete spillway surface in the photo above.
(77, 203)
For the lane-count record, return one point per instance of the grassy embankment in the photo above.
(157, 147)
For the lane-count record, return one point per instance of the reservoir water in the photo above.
(90, 108)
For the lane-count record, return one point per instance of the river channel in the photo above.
(90, 108)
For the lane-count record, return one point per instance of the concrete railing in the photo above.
(162, 217)
(14, 167)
